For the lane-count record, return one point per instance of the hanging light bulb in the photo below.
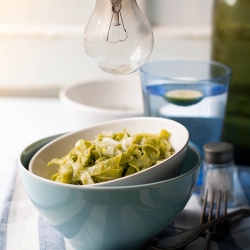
(118, 38)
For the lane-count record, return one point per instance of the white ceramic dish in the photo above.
(90, 103)
(168, 168)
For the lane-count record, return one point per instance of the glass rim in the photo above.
(208, 62)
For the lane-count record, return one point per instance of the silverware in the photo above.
(178, 240)
(213, 230)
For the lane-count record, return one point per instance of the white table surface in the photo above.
(22, 122)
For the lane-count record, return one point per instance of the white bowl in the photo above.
(90, 103)
(168, 168)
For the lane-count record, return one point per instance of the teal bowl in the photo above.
(109, 218)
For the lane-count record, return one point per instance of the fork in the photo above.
(179, 240)
(213, 230)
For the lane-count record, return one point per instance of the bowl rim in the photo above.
(184, 147)
(65, 99)
(120, 121)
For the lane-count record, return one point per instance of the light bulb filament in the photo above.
(115, 19)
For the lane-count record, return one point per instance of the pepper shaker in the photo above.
(218, 170)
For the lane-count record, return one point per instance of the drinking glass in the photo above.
(191, 92)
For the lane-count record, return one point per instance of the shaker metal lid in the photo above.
(218, 152)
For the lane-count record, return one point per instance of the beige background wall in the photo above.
(41, 41)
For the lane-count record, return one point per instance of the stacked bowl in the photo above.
(119, 214)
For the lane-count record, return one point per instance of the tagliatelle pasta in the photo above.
(110, 156)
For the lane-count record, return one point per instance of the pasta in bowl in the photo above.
(111, 156)
(148, 150)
